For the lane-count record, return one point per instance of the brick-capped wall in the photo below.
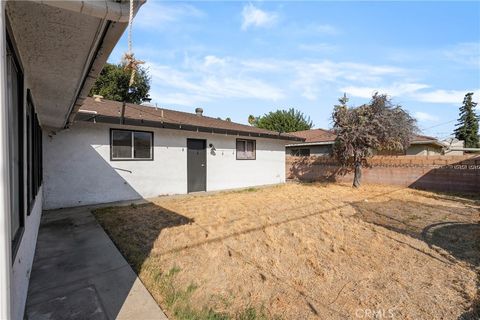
(440, 173)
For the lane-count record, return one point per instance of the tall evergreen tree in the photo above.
(467, 126)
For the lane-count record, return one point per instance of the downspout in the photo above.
(122, 116)
(104, 9)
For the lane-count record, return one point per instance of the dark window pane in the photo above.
(14, 135)
(305, 152)
(250, 145)
(121, 144)
(250, 149)
(241, 154)
(245, 149)
(142, 145)
(240, 146)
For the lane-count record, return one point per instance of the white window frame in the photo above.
(254, 149)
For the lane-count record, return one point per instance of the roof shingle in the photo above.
(322, 136)
(108, 111)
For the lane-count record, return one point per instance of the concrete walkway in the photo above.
(78, 273)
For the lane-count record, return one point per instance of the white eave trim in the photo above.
(103, 9)
(429, 142)
(304, 144)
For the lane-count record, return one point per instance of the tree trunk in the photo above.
(358, 174)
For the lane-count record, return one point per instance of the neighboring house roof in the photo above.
(325, 137)
(108, 111)
(316, 135)
(420, 139)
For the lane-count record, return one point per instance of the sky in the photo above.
(238, 58)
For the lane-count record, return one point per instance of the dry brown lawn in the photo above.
(301, 251)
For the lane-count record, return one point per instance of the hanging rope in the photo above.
(131, 64)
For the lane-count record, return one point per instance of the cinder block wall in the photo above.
(438, 173)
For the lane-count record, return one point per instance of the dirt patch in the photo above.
(302, 251)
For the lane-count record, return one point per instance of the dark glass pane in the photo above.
(240, 146)
(12, 96)
(305, 152)
(250, 145)
(142, 145)
(121, 144)
(241, 149)
(250, 149)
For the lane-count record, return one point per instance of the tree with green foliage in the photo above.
(378, 125)
(467, 126)
(290, 120)
(113, 84)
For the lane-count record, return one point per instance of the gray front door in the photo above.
(196, 165)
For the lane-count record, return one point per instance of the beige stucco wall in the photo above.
(424, 150)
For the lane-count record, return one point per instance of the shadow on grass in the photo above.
(135, 229)
(457, 232)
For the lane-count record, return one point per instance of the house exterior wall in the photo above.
(78, 169)
(14, 269)
(423, 150)
(22, 265)
(5, 239)
(315, 150)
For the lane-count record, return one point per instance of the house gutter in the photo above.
(178, 126)
(104, 9)
(429, 142)
(104, 43)
(464, 149)
(305, 144)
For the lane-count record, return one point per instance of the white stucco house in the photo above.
(51, 53)
(60, 148)
(114, 151)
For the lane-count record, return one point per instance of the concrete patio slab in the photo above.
(78, 273)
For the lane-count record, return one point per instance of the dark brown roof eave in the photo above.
(88, 117)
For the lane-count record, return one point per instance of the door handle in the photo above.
(203, 164)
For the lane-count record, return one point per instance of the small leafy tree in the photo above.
(290, 120)
(467, 126)
(113, 84)
(360, 131)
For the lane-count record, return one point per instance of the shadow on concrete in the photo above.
(457, 232)
(78, 272)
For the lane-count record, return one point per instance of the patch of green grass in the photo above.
(177, 301)
(251, 189)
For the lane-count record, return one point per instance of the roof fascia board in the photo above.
(310, 144)
(178, 126)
